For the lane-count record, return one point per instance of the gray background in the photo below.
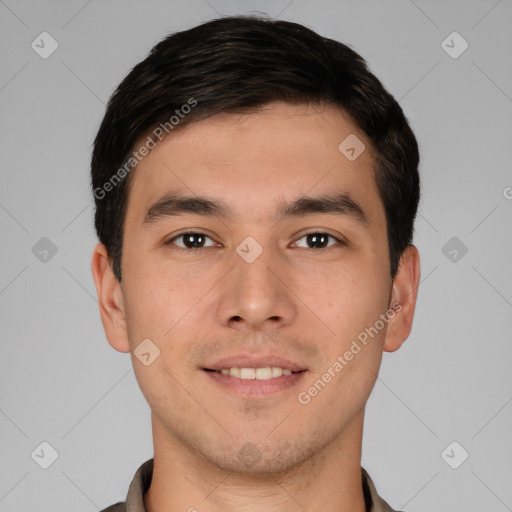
(62, 383)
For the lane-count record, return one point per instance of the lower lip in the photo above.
(255, 387)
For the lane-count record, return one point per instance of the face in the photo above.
(246, 270)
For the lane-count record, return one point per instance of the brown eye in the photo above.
(317, 240)
(191, 240)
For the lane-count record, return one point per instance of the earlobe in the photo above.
(110, 300)
(405, 291)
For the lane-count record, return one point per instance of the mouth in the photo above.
(260, 373)
(254, 382)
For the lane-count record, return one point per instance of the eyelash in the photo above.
(200, 249)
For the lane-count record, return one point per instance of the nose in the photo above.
(258, 295)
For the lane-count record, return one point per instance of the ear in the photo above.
(110, 300)
(405, 291)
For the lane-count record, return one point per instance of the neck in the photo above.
(329, 481)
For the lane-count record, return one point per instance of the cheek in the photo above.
(156, 310)
(353, 353)
(347, 299)
(158, 300)
(160, 306)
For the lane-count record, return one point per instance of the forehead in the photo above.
(255, 161)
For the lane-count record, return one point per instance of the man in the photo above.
(256, 189)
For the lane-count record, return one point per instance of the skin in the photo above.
(301, 302)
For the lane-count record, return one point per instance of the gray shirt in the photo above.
(142, 479)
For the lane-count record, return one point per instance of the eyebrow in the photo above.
(173, 205)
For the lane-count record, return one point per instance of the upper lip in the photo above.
(248, 361)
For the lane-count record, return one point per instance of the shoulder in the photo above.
(118, 507)
(374, 503)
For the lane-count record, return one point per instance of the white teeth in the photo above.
(265, 373)
(247, 373)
